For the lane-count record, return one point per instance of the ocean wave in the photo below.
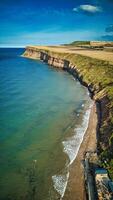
(71, 148)
(72, 145)
(60, 183)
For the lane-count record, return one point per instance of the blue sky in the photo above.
(26, 22)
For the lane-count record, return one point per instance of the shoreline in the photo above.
(76, 169)
(83, 129)
(75, 189)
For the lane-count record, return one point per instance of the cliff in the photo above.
(97, 76)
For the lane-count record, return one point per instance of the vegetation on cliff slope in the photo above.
(76, 43)
(99, 74)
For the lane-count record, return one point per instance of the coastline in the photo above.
(71, 148)
(81, 68)
(75, 187)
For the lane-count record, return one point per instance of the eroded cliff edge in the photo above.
(97, 76)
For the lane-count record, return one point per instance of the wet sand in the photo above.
(75, 188)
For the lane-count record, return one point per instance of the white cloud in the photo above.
(88, 8)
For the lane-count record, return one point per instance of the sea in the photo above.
(44, 114)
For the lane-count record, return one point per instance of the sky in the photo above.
(52, 22)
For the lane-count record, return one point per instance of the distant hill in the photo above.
(91, 43)
(77, 43)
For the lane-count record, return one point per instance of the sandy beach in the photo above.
(75, 187)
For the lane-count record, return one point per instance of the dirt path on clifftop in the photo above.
(75, 188)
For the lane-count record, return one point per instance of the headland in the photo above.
(93, 67)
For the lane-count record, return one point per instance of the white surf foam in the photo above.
(60, 183)
(71, 148)
(72, 145)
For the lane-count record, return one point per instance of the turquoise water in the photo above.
(40, 109)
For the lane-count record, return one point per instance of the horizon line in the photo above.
(12, 46)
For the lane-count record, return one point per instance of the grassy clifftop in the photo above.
(99, 74)
(76, 43)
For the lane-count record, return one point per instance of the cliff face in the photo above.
(31, 53)
(45, 57)
(54, 61)
(58, 62)
(97, 76)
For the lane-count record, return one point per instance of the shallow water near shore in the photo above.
(43, 116)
